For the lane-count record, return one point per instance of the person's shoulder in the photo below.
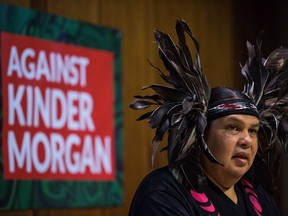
(160, 173)
(160, 193)
(158, 179)
(162, 184)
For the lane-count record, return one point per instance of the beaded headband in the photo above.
(228, 107)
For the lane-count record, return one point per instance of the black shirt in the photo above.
(161, 194)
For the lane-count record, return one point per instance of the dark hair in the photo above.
(223, 93)
(225, 101)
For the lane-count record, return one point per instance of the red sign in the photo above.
(58, 110)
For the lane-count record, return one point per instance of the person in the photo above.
(224, 145)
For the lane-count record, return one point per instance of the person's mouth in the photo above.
(241, 158)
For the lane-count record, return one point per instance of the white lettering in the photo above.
(29, 96)
(14, 63)
(20, 154)
(83, 62)
(72, 165)
(14, 104)
(103, 154)
(72, 97)
(87, 155)
(85, 114)
(57, 68)
(58, 98)
(50, 107)
(42, 67)
(28, 73)
(40, 138)
(53, 153)
(42, 107)
(57, 147)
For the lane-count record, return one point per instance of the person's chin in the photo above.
(238, 172)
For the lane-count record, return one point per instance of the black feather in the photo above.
(266, 85)
(182, 104)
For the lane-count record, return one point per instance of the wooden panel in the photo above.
(17, 213)
(129, 16)
(209, 20)
(19, 3)
(87, 10)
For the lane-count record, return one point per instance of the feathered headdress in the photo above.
(267, 86)
(181, 107)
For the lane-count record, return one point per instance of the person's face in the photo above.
(233, 141)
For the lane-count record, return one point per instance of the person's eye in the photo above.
(233, 128)
(253, 131)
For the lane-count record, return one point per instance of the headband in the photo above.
(229, 107)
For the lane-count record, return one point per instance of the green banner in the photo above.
(25, 186)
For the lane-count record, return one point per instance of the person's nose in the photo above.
(245, 139)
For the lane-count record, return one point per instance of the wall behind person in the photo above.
(212, 22)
